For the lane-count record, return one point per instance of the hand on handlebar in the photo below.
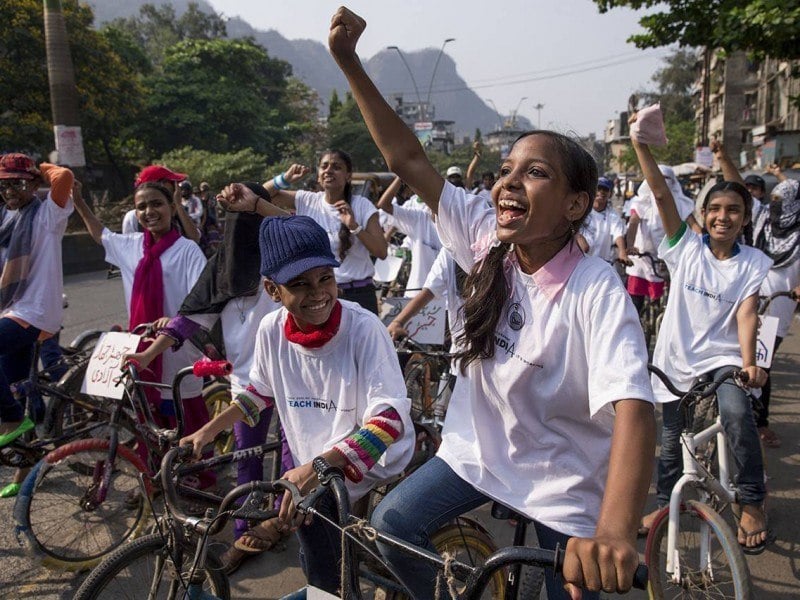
(141, 359)
(599, 564)
(198, 440)
(754, 377)
(396, 331)
(305, 478)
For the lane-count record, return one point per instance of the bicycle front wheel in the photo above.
(148, 568)
(61, 510)
(709, 560)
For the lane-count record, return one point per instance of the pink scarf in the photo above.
(317, 336)
(147, 298)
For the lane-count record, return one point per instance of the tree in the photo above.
(219, 95)
(759, 27)
(674, 83)
(218, 169)
(334, 105)
(158, 27)
(109, 95)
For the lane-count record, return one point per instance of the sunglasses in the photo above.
(18, 185)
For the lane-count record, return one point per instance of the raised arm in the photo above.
(238, 197)
(385, 202)
(398, 144)
(729, 170)
(190, 230)
(278, 187)
(397, 328)
(473, 164)
(658, 186)
(93, 225)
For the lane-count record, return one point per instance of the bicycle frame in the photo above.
(695, 472)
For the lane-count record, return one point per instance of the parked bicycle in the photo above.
(691, 551)
(429, 380)
(652, 313)
(85, 499)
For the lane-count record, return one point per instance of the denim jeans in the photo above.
(740, 428)
(424, 502)
(16, 353)
(321, 548)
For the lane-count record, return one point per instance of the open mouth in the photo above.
(509, 211)
(317, 307)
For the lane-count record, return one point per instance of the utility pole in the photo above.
(63, 92)
(538, 108)
(433, 75)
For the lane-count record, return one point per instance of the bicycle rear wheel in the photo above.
(421, 377)
(59, 511)
(149, 566)
(217, 396)
(711, 563)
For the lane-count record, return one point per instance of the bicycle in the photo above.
(652, 313)
(690, 550)
(429, 381)
(92, 483)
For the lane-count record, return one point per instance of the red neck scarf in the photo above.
(147, 302)
(317, 335)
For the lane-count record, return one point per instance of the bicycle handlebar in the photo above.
(700, 390)
(767, 300)
(478, 576)
(212, 368)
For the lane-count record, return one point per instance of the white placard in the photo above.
(765, 344)
(314, 593)
(426, 327)
(386, 269)
(69, 145)
(104, 365)
(704, 156)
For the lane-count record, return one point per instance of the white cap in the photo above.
(453, 171)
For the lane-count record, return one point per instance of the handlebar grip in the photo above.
(743, 377)
(212, 368)
(641, 577)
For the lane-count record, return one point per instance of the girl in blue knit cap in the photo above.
(330, 368)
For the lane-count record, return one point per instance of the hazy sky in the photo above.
(561, 53)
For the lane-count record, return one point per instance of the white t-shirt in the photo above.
(441, 281)
(324, 395)
(782, 280)
(41, 303)
(130, 224)
(699, 331)
(240, 320)
(181, 265)
(532, 426)
(357, 262)
(601, 230)
(424, 242)
(651, 232)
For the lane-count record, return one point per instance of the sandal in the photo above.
(254, 541)
(11, 490)
(762, 545)
(769, 438)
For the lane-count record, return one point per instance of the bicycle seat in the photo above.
(502, 512)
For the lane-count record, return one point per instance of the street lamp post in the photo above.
(514, 114)
(538, 107)
(433, 75)
(499, 116)
(413, 80)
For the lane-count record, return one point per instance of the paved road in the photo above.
(97, 302)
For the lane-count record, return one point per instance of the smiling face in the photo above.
(532, 197)
(724, 217)
(601, 199)
(333, 174)
(310, 297)
(154, 211)
(17, 193)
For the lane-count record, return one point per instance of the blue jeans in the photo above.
(16, 354)
(321, 548)
(740, 429)
(423, 503)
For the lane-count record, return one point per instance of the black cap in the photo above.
(756, 181)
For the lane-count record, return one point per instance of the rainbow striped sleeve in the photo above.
(366, 446)
(251, 403)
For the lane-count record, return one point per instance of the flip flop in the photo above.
(26, 425)
(760, 547)
(11, 490)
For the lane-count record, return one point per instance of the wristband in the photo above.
(279, 181)
(357, 230)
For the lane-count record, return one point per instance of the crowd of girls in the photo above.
(552, 387)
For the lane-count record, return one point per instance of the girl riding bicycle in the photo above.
(710, 323)
(546, 419)
(331, 371)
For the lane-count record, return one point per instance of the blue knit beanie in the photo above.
(290, 246)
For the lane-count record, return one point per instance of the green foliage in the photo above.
(461, 157)
(109, 95)
(218, 169)
(759, 27)
(674, 83)
(219, 95)
(347, 131)
(335, 104)
(157, 28)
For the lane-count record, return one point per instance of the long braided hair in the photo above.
(486, 286)
(345, 237)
